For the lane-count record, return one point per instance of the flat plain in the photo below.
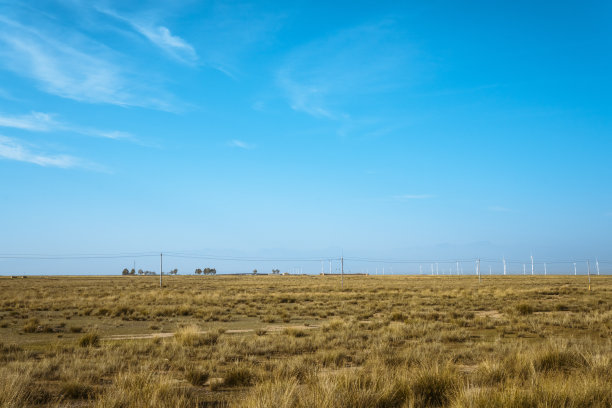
(305, 341)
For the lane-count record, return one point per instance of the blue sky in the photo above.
(422, 130)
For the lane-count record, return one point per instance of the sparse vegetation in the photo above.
(304, 342)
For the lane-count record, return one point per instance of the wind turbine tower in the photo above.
(532, 264)
(504, 259)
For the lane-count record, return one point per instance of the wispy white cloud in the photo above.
(159, 35)
(325, 77)
(12, 149)
(35, 121)
(46, 122)
(65, 63)
(240, 144)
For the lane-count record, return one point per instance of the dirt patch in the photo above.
(269, 329)
(273, 329)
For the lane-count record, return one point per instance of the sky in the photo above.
(379, 130)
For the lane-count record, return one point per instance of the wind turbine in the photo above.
(504, 259)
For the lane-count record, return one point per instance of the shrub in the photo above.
(31, 325)
(75, 390)
(238, 376)
(524, 309)
(397, 317)
(295, 332)
(191, 336)
(432, 388)
(559, 360)
(89, 340)
(75, 329)
(196, 376)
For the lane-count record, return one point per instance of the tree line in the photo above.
(132, 271)
(206, 271)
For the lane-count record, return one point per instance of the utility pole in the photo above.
(420, 269)
(322, 273)
(504, 259)
(531, 264)
(478, 270)
(575, 273)
(342, 273)
(457, 268)
(545, 271)
(161, 270)
(437, 270)
(589, 272)
(597, 266)
(524, 273)
(330, 267)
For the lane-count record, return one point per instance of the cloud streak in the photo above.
(324, 77)
(240, 144)
(12, 149)
(45, 122)
(160, 36)
(75, 67)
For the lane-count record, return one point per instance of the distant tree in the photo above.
(198, 271)
(254, 271)
(133, 271)
(276, 271)
(173, 271)
(209, 271)
(140, 272)
(125, 271)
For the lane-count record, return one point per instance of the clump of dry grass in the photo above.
(295, 332)
(143, 390)
(434, 387)
(238, 376)
(192, 336)
(90, 340)
(559, 360)
(196, 376)
(524, 309)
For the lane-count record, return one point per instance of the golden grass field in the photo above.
(303, 341)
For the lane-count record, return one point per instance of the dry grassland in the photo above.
(302, 341)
